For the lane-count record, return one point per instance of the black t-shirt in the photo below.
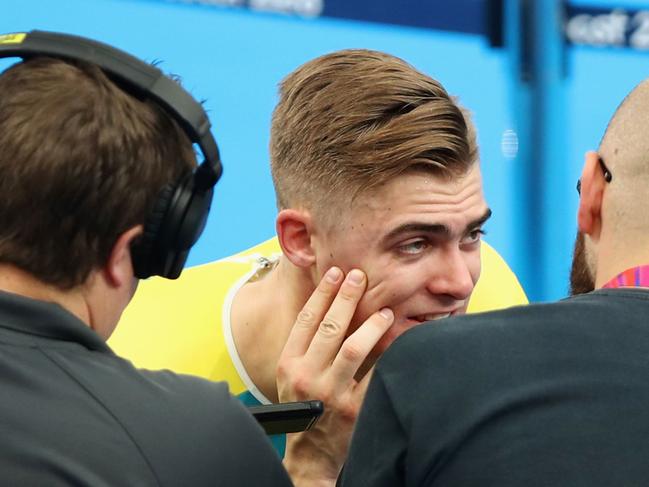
(543, 395)
(73, 413)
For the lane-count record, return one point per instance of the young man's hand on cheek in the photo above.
(318, 362)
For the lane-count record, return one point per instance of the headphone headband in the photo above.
(140, 77)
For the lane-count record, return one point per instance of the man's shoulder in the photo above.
(193, 404)
(519, 381)
(188, 428)
(489, 333)
(117, 383)
(475, 331)
(148, 403)
(217, 434)
(485, 320)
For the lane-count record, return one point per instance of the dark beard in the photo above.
(581, 279)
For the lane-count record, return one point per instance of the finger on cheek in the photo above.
(333, 275)
(388, 317)
(353, 286)
(373, 329)
(309, 318)
(330, 283)
(326, 289)
(356, 277)
(358, 346)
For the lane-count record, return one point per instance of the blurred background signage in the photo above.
(585, 25)
(613, 27)
(457, 15)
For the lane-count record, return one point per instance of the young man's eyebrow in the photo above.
(431, 228)
(478, 222)
(434, 228)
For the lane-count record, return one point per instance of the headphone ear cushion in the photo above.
(144, 251)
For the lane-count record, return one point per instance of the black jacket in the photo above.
(543, 395)
(73, 413)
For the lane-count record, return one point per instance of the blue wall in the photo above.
(234, 58)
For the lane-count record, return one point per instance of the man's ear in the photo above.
(589, 215)
(118, 269)
(294, 232)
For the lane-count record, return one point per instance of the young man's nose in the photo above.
(451, 275)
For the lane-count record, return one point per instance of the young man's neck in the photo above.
(263, 313)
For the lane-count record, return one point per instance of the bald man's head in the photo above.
(614, 212)
(625, 150)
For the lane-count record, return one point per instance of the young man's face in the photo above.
(418, 240)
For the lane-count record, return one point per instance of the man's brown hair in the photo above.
(81, 161)
(354, 119)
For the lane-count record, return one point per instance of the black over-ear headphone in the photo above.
(180, 212)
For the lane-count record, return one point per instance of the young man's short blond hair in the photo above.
(352, 120)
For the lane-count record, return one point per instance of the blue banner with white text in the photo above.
(466, 16)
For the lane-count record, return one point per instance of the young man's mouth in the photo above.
(431, 316)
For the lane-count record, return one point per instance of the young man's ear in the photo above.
(294, 232)
(118, 269)
(589, 216)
